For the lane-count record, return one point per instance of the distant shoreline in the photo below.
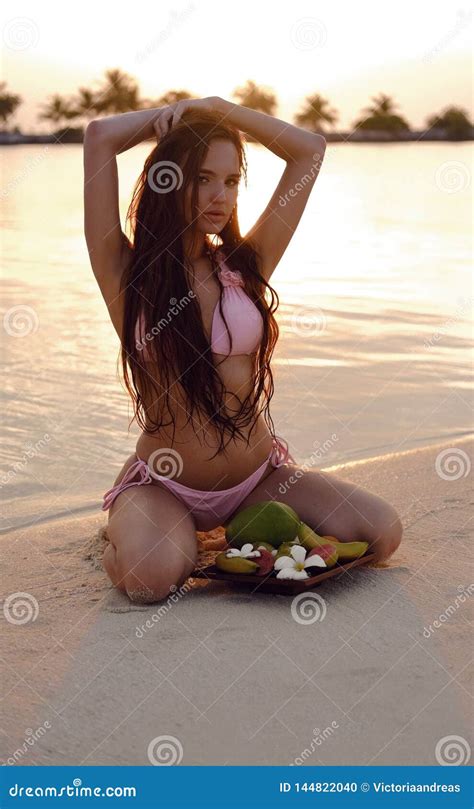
(358, 136)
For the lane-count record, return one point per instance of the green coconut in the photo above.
(270, 521)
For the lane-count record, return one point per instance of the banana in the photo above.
(235, 564)
(346, 551)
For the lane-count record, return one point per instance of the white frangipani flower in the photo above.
(246, 552)
(294, 566)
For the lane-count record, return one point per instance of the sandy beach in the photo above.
(232, 676)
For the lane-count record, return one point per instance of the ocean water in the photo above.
(375, 352)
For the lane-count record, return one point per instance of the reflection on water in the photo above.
(375, 317)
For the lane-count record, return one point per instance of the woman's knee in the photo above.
(387, 532)
(154, 581)
(155, 545)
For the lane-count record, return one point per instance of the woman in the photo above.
(188, 297)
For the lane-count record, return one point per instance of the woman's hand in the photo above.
(167, 117)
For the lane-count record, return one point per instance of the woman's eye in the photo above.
(234, 182)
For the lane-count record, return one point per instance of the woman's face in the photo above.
(218, 187)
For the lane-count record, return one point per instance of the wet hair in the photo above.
(155, 285)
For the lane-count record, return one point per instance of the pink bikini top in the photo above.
(243, 318)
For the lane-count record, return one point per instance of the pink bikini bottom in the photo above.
(210, 509)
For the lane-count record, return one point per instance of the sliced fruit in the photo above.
(264, 562)
(328, 553)
(235, 564)
(269, 521)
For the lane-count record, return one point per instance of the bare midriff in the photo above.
(195, 442)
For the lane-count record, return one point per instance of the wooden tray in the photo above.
(270, 583)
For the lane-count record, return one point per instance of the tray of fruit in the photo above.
(271, 549)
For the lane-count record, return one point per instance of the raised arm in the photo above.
(303, 153)
(109, 250)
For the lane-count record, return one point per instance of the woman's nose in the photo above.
(220, 194)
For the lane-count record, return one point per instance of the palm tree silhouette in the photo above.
(454, 121)
(256, 98)
(120, 93)
(8, 102)
(85, 103)
(315, 113)
(170, 97)
(57, 110)
(381, 116)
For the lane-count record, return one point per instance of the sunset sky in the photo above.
(418, 52)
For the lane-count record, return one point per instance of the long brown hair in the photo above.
(156, 282)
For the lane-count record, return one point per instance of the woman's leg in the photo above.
(152, 542)
(333, 506)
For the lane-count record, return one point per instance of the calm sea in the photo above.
(375, 353)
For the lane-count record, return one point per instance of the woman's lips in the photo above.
(215, 215)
